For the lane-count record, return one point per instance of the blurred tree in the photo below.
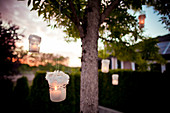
(46, 58)
(20, 52)
(8, 38)
(147, 50)
(84, 19)
(139, 53)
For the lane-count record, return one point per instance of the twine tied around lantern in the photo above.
(105, 62)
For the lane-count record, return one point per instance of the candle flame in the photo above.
(142, 22)
(34, 46)
(115, 82)
(55, 88)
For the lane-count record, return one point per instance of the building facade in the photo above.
(164, 50)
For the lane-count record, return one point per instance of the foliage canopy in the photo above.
(72, 14)
(114, 18)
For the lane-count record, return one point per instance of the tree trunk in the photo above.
(89, 73)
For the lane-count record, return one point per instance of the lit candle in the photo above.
(105, 68)
(34, 42)
(141, 20)
(57, 81)
(115, 82)
(115, 78)
(105, 65)
(34, 47)
(55, 94)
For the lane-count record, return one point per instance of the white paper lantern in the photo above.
(105, 65)
(57, 81)
(115, 79)
(34, 43)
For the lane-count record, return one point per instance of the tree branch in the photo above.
(108, 10)
(74, 12)
(107, 40)
(114, 41)
(75, 19)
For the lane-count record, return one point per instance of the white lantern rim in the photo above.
(116, 75)
(105, 60)
(32, 37)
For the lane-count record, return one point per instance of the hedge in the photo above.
(137, 92)
(20, 96)
(6, 94)
(41, 101)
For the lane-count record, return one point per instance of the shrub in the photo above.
(21, 93)
(40, 99)
(39, 96)
(6, 91)
(136, 91)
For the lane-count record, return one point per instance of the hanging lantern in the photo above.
(57, 81)
(115, 79)
(34, 43)
(105, 65)
(141, 18)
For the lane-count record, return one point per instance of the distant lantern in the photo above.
(141, 18)
(115, 79)
(105, 65)
(34, 43)
(57, 81)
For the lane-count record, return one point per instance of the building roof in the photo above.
(164, 44)
(164, 38)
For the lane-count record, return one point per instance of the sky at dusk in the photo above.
(53, 39)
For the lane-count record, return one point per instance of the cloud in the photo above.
(52, 39)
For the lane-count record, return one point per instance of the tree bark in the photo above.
(89, 73)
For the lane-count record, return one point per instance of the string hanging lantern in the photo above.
(57, 81)
(141, 18)
(115, 79)
(105, 62)
(34, 43)
(105, 65)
